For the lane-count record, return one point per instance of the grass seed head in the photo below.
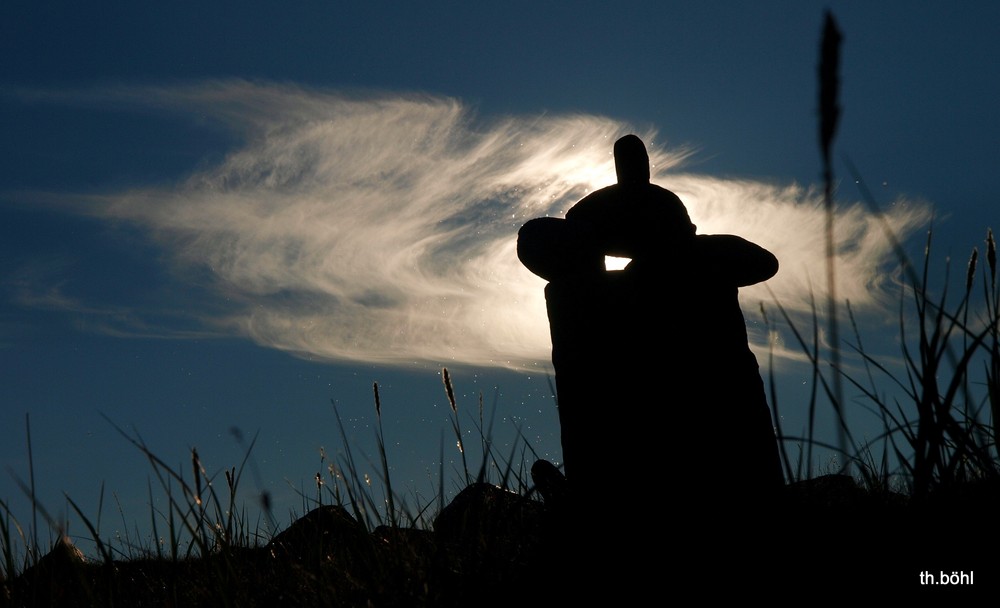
(972, 270)
(991, 253)
(446, 377)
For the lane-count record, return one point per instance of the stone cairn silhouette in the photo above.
(655, 380)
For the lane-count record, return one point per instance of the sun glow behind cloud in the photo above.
(383, 228)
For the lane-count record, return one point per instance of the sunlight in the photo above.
(614, 263)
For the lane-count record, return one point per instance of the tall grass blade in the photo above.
(772, 384)
(94, 534)
(35, 554)
(383, 459)
(456, 426)
(829, 109)
(8, 550)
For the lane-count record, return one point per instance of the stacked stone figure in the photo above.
(655, 379)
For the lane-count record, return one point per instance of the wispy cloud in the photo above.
(382, 228)
(789, 221)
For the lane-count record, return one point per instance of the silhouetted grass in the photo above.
(939, 416)
(205, 551)
(943, 432)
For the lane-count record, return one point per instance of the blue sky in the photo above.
(228, 217)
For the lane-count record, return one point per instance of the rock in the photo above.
(825, 492)
(483, 512)
(487, 540)
(57, 579)
(324, 533)
(62, 560)
(550, 483)
(838, 494)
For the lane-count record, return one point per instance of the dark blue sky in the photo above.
(131, 132)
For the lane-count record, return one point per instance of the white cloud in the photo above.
(790, 222)
(383, 229)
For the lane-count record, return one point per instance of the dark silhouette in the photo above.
(655, 378)
(632, 219)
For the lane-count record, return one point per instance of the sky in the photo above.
(227, 221)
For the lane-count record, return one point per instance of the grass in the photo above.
(206, 551)
(944, 431)
(940, 420)
(939, 424)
